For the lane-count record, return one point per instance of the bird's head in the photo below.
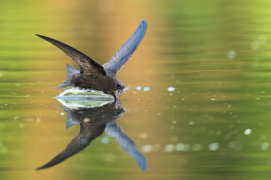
(116, 87)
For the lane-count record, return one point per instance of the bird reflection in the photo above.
(93, 122)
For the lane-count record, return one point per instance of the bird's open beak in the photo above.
(125, 89)
(117, 104)
(117, 94)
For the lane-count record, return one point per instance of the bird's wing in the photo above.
(127, 144)
(126, 51)
(78, 143)
(86, 64)
(73, 148)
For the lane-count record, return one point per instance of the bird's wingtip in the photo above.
(39, 168)
(144, 169)
(41, 36)
(144, 23)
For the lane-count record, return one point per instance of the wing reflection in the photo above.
(93, 122)
(128, 145)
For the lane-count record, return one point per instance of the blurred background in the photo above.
(206, 63)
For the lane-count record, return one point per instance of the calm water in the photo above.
(215, 124)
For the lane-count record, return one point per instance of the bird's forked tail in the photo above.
(71, 71)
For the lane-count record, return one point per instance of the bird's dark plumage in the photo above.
(93, 75)
(93, 122)
(78, 143)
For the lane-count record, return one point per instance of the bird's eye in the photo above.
(117, 112)
(117, 86)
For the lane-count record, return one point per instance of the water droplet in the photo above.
(247, 131)
(265, 146)
(171, 89)
(213, 146)
(179, 147)
(231, 54)
(146, 148)
(125, 89)
(146, 89)
(138, 88)
(105, 140)
(62, 114)
(169, 147)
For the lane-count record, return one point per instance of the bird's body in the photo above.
(94, 76)
(91, 81)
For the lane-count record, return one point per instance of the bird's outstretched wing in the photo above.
(85, 63)
(126, 51)
(73, 148)
(127, 144)
(78, 143)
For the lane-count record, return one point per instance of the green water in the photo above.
(215, 124)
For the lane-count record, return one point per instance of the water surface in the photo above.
(216, 55)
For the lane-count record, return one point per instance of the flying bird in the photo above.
(94, 76)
